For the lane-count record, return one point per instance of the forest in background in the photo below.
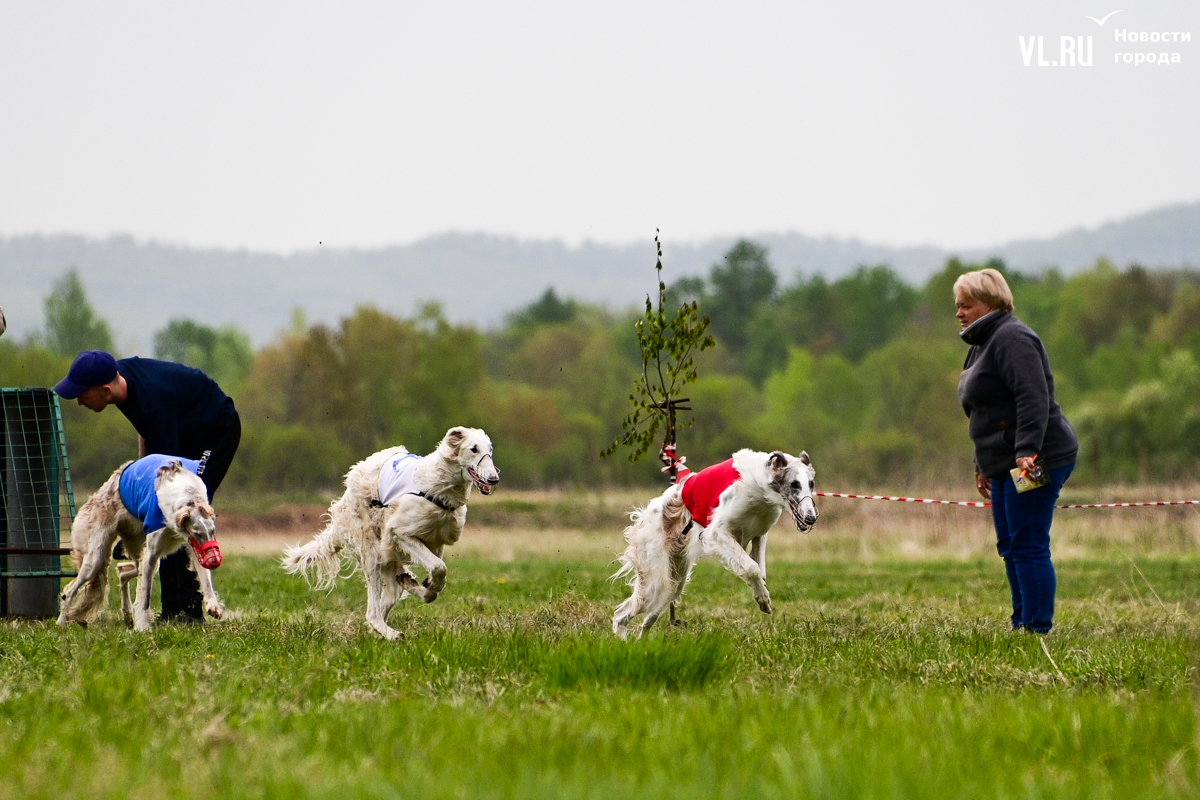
(860, 371)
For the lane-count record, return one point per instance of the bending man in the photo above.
(176, 411)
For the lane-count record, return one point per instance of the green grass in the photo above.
(883, 680)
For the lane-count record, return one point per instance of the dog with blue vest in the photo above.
(154, 506)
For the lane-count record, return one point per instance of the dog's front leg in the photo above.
(421, 555)
(141, 601)
(718, 542)
(758, 552)
(212, 603)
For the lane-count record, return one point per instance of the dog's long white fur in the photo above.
(659, 556)
(385, 541)
(103, 519)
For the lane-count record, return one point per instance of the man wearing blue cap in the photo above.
(177, 411)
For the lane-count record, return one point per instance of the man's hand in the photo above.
(984, 485)
(1026, 463)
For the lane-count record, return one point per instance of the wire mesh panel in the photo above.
(37, 501)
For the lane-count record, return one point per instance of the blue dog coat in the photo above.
(137, 488)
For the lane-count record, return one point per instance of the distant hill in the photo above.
(139, 286)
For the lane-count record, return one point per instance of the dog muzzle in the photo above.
(803, 521)
(484, 486)
(208, 553)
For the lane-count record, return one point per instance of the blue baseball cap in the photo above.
(91, 368)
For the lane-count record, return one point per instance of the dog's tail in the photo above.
(653, 531)
(87, 604)
(318, 560)
(627, 559)
(674, 512)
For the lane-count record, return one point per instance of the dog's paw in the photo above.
(764, 604)
(215, 610)
(386, 631)
(436, 580)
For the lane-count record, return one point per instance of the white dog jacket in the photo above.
(398, 478)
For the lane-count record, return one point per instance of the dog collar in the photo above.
(436, 501)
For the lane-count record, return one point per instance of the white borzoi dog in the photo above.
(182, 501)
(720, 511)
(398, 510)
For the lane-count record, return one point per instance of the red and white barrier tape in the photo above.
(905, 499)
(977, 504)
(1134, 505)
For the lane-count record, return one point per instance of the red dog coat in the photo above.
(702, 490)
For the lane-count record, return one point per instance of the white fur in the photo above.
(659, 557)
(385, 541)
(183, 499)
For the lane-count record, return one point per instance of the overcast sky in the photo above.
(276, 126)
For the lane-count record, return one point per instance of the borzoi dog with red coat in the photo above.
(721, 511)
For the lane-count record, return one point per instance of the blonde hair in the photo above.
(987, 286)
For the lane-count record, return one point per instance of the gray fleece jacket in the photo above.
(1008, 393)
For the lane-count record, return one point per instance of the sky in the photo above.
(288, 126)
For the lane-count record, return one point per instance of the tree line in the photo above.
(860, 371)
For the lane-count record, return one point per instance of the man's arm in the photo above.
(142, 446)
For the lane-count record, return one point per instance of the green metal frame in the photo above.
(36, 492)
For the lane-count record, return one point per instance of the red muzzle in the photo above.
(208, 554)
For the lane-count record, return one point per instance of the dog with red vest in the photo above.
(724, 511)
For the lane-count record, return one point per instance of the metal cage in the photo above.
(37, 502)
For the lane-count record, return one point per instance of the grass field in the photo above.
(886, 671)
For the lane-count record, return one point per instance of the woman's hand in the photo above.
(984, 485)
(1026, 463)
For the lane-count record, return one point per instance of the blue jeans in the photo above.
(1023, 541)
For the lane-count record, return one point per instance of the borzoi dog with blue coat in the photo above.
(154, 506)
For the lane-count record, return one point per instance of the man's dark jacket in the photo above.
(1008, 393)
(178, 410)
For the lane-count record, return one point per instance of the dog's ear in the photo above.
(168, 469)
(777, 461)
(182, 515)
(804, 459)
(454, 437)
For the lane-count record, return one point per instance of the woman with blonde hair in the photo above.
(1007, 391)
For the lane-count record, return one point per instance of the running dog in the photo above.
(720, 511)
(153, 505)
(399, 509)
